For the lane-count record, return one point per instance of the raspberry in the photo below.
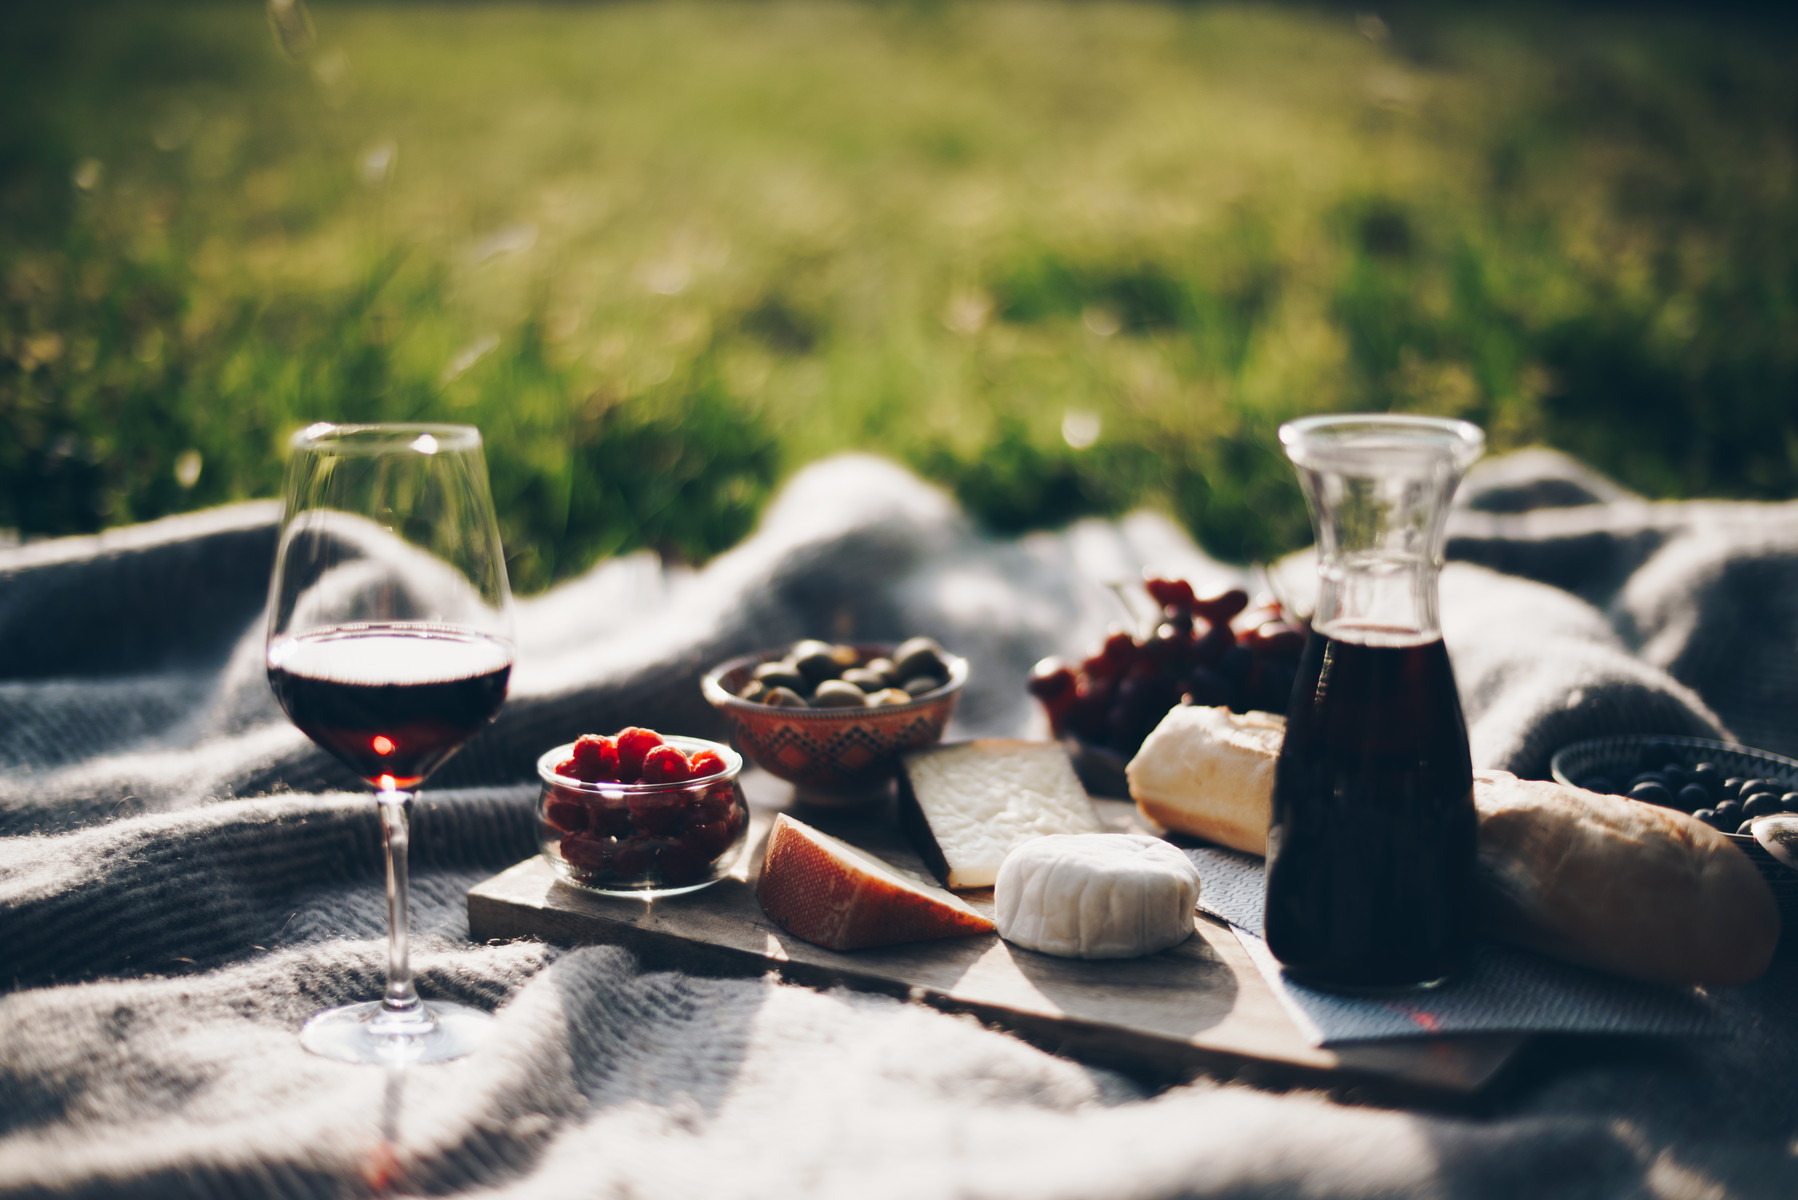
(633, 857)
(705, 762)
(682, 862)
(610, 819)
(665, 764)
(587, 852)
(595, 758)
(710, 839)
(710, 806)
(567, 769)
(565, 813)
(658, 814)
(634, 745)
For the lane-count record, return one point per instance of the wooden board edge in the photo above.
(1381, 1074)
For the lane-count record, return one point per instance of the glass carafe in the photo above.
(1370, 855)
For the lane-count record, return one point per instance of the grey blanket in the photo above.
(183, 879)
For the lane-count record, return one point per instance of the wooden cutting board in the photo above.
(1200, 1007)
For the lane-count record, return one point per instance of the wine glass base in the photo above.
(367, 1033)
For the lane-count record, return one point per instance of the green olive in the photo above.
(834, 693)
(818, 665)
(783, 697)
(882, 667)
(753, 691)
(889, 696)
(919, 656)
(781, 674)
(866, 680)
(806, 648)
(920, 685)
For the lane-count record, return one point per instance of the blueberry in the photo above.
(1760, 804)
(1654, 777)
(1746, 828)
(1729, 814)
(1708, 774)
(1677, 776)
(1789, 802)
(1599, 783)
(1692, 797)
(1652, 793)
(1708, 816)
(1732, 787)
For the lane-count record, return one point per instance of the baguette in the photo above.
(1616, 884)
(1601, 881)
(1210, 772)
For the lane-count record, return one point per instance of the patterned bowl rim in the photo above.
(1557, 765)
(713, 687)
(733, 766)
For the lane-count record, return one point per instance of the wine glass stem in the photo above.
(396, 808)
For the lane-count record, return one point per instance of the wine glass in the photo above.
(390, 645)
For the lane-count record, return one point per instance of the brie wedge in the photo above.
(1096, 895)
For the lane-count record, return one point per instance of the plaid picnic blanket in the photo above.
(184, 879)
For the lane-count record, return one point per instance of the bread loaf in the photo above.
(1620, 885)
(1210, 772)
(1601, 881)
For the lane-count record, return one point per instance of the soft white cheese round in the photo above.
(1096, 895)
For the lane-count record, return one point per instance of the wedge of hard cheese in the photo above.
(967, 805)
(831, 894)
(1210, 772)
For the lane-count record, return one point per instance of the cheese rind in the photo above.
(969, 804)
(1210, 772)
(1096, 895)
(833, 895)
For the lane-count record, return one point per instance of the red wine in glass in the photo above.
(391, 701)
(390, 645)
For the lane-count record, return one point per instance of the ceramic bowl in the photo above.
(643, 839)
(1619, 758)
(831, 750)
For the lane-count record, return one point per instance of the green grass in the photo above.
(663, 254)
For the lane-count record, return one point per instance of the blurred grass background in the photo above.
(1062, 258)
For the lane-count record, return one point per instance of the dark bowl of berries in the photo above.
(1726, 786)
(639, 814)
(1218, 650)
(833, 719)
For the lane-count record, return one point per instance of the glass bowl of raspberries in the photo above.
(639, 814)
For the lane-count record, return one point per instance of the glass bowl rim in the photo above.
(712, 686)
(733, 766)
(369, 437)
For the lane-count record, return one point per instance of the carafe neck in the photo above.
(1378, 487)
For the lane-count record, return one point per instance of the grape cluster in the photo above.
(1727, 804)
(1214, 650)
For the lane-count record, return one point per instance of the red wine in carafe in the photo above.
(391, 702)
(1371, 849)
